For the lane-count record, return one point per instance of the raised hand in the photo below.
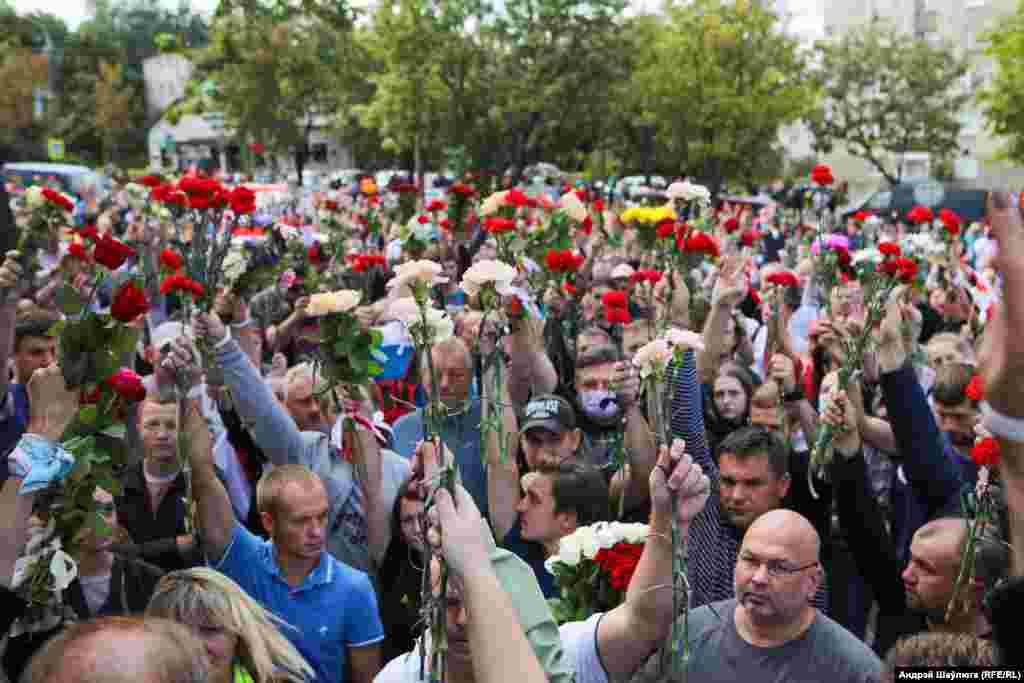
(208, 326)
(677, 473)
(458, 531)
(183, 365)
(732, 284)
(1001, 356)
(54, 406)
(11, 277)
(841, 414)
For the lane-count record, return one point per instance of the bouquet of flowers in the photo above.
(593, 568)
(92, 347)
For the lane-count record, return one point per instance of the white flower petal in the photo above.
(63, 570)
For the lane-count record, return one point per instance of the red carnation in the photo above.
(701, 242)
(598, 205)
(316, 256)
(986, 452)
(462, 190)
(571, 289)
(77, 250)
(436, 205)
(754, 296)
(495, 225)
(976, 389)
(445, 224)
(615, 299)
(516, 198)
(128, 385)
(907, 270)
(150, 180)
(111, 253)
(199, 202)
(861, 216)
(920, 215)
(749, 237)
(822, 175)
(617, 316)
(587, 226)
(129, 302)
(731, 225)
(889, 249)
(89, 232)
(423, 220)
(59, 199)
(171, 260)
(242, 200)
(257, 148)
(951, 221)
(652, 276)
(666, 228)
(784, 278)
(181, 283)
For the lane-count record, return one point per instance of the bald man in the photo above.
(770, 631)
(930, 577)
(121, 650)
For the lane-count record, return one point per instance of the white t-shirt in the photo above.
(579, 645)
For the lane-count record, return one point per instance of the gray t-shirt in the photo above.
(826, 652)
(579, 645)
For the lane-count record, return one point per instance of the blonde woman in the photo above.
(242, 639)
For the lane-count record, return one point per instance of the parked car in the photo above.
(72, 178)
(896, 202)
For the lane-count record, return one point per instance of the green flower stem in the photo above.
(822, 453)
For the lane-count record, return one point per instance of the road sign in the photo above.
(55, 149)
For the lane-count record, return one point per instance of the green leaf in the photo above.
(374, 369)
(70, 300)
(88, 414)
(117, 431)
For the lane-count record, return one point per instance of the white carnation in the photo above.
(487, 272)
(234, 265)
(63, 570)
(653, 358)
(333, 302)
(407, 311)
(686, 339)
(137, 195)
(425, 271)
(572, 205)
(491, 205)
(689, 192)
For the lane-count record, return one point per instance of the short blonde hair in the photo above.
(271, 484)
(207, 596)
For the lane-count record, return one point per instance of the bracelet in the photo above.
(1003, 426)
(223, 342)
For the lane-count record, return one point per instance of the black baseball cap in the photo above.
(549, 412)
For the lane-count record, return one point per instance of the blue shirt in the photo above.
(14, 415)
(461, 433)
(333, 609)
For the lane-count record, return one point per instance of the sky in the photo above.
(806, 15)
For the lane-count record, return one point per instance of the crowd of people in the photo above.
(288, 547)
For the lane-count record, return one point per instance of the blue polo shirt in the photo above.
(333, 609)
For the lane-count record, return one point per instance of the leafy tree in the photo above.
(114, 112)
(1003, 100)
(718, 80)
(886, 94)
(276, 78)
(22, 72)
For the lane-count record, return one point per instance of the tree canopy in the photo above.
(885, 94)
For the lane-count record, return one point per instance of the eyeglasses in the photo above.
(777, 569)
